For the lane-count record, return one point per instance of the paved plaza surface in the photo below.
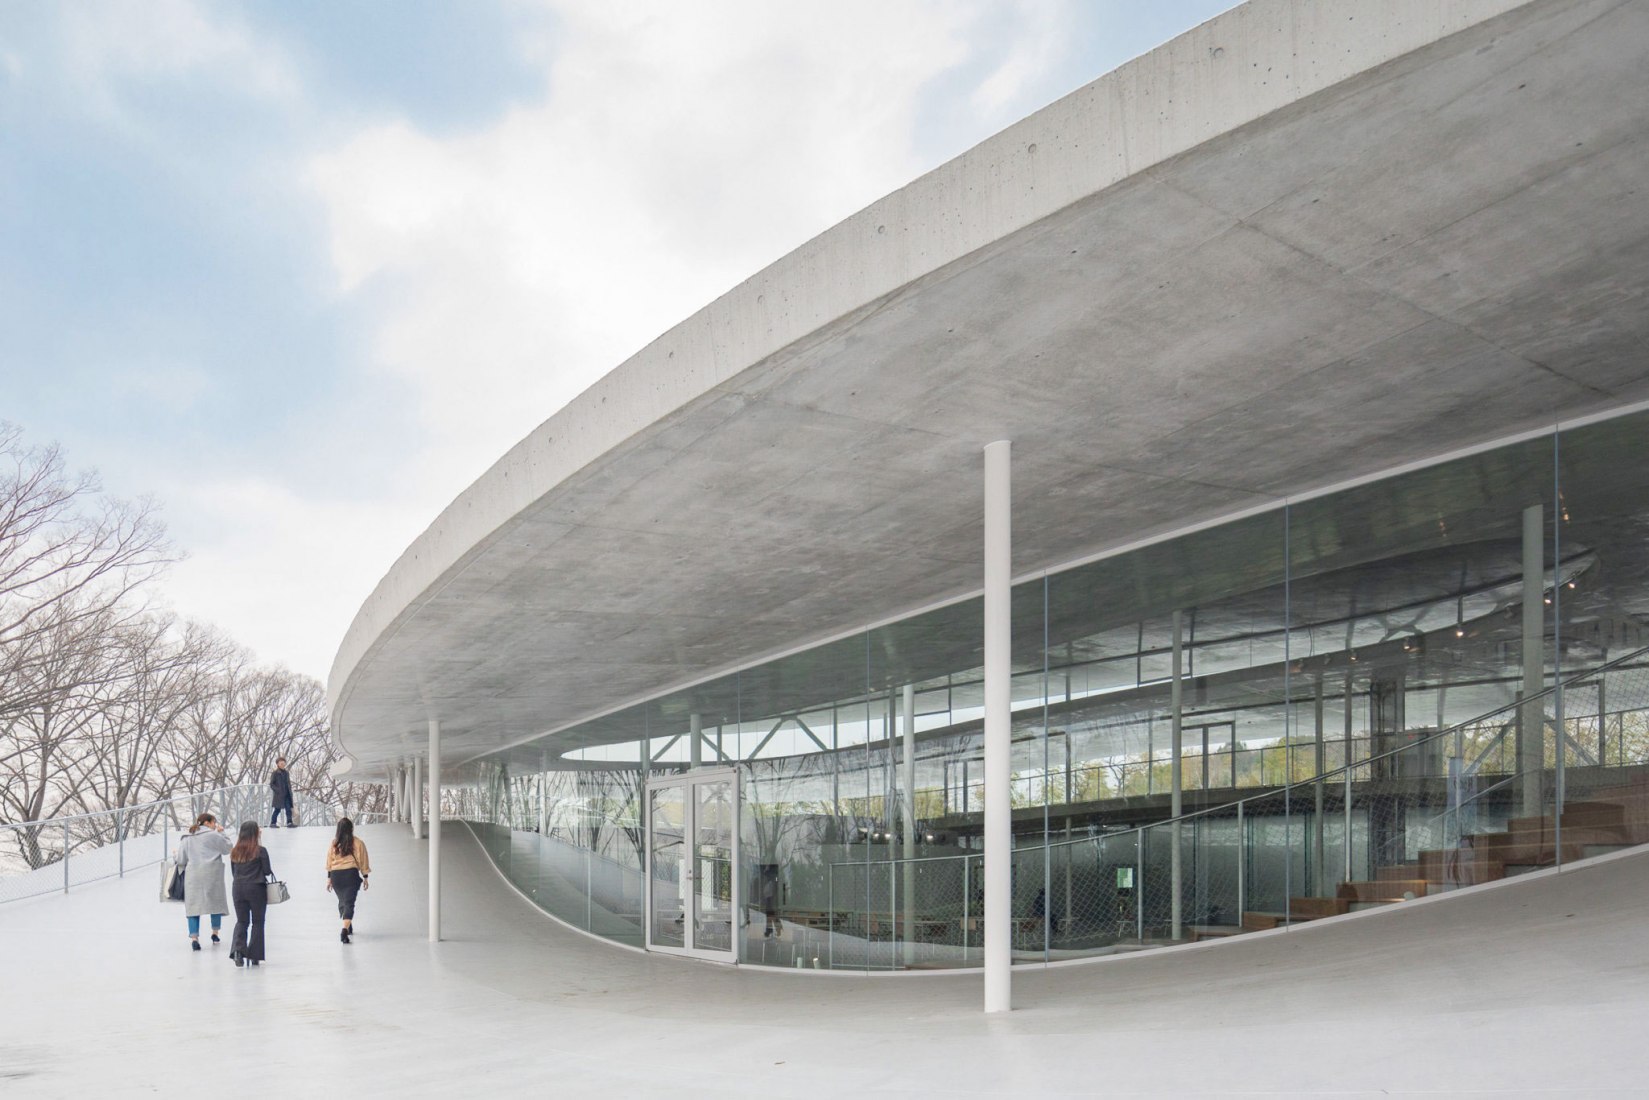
(1537, 988)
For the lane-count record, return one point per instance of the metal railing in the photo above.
(55, 854)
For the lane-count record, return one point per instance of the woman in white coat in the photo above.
(200, 854)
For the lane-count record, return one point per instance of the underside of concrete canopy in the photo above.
(1305, 242)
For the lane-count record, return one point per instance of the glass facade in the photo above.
(1351, 699)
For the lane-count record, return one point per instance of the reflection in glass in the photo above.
(1368, 712)
(712, 879)
(667, 827)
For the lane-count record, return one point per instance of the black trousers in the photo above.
(250, 904)
(346, 884)
(283, 808)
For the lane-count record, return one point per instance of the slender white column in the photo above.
(1531, 734)
(1319, 880)
(998, 727)
(434, 831)
(1176, 778)
(416, 804)
(695, 747)
(909, 716)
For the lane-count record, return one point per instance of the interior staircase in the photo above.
(1608, 819)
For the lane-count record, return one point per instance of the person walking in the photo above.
(201, 857)
(249, 863)
(347, 869)
(280, 794)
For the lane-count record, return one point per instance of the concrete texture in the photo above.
(1536, 988)
(1309, 240)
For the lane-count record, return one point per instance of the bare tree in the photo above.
(104, 704)
(46, 750)
(168, 670)
(67, 552)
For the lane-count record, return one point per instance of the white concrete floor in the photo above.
(1540, 988)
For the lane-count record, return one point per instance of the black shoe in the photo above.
(343, 935)
(195, 944)
(256, 961)
(234, 957)
(215, 938)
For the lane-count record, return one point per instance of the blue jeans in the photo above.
(274, 818)
(217, 924)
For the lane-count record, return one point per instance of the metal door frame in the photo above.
(689, 781)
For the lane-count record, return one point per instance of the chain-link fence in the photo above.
(1546, 780)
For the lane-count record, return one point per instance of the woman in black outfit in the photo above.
(249, 864)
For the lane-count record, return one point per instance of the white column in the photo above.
(695, 746)
(1531, 733)
(416, 803)
(1318, 879)
(998, 727)
(909, 717)
(434, 831)
(1176, 779)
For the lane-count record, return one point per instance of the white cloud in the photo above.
(1040, 41)
(174, 388)
(114, 39)
(282, 573)
(680, 148)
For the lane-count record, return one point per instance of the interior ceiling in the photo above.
(1446, 249)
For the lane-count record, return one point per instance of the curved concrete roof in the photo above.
(1305, 240)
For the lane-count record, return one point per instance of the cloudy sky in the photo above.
(302, 269)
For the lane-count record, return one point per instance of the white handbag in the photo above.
(277, 892)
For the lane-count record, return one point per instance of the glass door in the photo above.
(692, 826)
(666, 860)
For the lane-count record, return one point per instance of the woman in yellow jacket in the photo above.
(347, 869)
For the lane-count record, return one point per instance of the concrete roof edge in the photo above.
(1232, 70)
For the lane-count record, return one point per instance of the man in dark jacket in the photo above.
(280, 791)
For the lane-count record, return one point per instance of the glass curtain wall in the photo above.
(1350, 699)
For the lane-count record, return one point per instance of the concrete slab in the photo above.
(1532, 989)
(1309, 240)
